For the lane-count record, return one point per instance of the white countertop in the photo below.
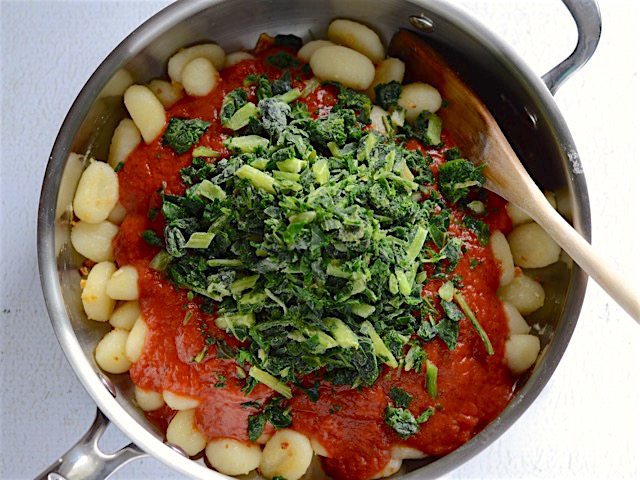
(584, 425)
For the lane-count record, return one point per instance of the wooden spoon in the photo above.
(476, 132)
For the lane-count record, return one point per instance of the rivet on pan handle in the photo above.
(586, 14)
(85, 461)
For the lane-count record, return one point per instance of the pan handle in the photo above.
(85, 461)
(586, 14)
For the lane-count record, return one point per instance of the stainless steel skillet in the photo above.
(521, 102)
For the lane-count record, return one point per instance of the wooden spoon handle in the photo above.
(619, 288)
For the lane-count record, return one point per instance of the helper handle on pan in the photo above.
(586, 14)
(85, 461)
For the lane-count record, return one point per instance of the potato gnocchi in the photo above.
(132, 250)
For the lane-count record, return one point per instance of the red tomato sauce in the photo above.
(473, 386)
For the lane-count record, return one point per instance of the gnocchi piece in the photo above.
(521, 352)
(232, 457)
(389, 469)
(532, 247)
(179, 402)
(357, 36)
(563, 202)
(318, 448)
(68, 183)
(123, 284)
(315, 470)
(148, 400)
(97, 193)
(93, 240)
(199, 77)
(264, 438)
(125, 315)
(515, 321)
(418, 97)
(182, 432)
(212, 52)
(237, 57)
(125, 139)
(287, 454)
(146, 111)
(117, 84)
(519, 217)
(524, 293)
(344, 65)
(117, 214)
(388, 70)
(135, 342)
(168, 93)
(377, 116)
(309, 48)
(502, 254)
(97, 304)
(110, 352)
(402, 452)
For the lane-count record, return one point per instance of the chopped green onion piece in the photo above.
(333, 269)
(288, 185)
(434, 129)
(320, 171)
(378, 345)
(309, 86)
(403, 283)
(304, 217)
(252, 298)
(229, 322)
(322, 340)
(334, 149)
(426, 415)
(244, 283)
(476, 206)
(257, 178)
(187, 317)
(289, 96)
(446, 291)
(224, 262)
(362, 309)
(393, 284)
(273, 297)
(474, 321)
(270, 381)
(411, 274)
(199, 357)
(292, 165)
(241, 117)
(247, 144)
(260, 163)
(204, 152)
(416, 244)
(292, 177)
(405, 172)
(160, 261)
(344, 336)
(409, 185)
(199, 240)
(431, 379)
(208, 190)
(370, 141)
